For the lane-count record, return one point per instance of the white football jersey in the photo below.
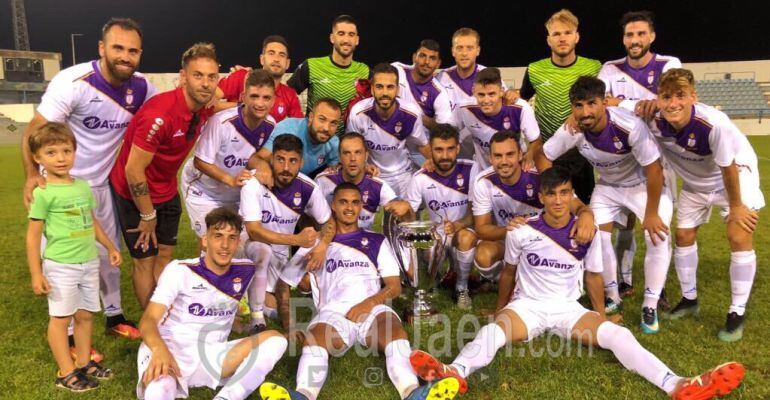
(518, 117)
(709, 141)
(446, 197)
(227, 143)
(430, 96)
(375, 193)
(97, 113)
(618, 153)
(550, 263)
(387, 140)
(460, 90)
(633, 84)
(279, 209)
(491, 195)
(201, 305)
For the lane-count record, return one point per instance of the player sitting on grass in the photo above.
(69, 271)
(549, 266)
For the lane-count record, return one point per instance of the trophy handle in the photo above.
(391, 231)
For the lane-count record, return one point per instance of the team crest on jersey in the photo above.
(651, 77)
(398, 127)
(618, 144)
(364, 242)
(530, 190)
(129, 96)
(237, 284)
(321, 159)
(280, 109)
(424, 96)
(365, 196)
(691, 140)
(297, 199)
(507, 123)
(460, 180)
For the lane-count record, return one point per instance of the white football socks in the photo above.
(109, 286)
(464, 265)
(743, 267)
(312, 370)
(251, 373)
(686, 264)
(610, 271)
(625, 249)
(481, 351)
(399, 368)
(656, 261)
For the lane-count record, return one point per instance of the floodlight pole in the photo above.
(72, 42)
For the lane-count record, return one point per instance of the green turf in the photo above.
(531, 371)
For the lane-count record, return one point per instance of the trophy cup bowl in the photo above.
(420, 248)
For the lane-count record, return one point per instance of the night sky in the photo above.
(512, 32)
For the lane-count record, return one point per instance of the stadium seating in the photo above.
(736, 97)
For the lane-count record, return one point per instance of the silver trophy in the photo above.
(420, 250)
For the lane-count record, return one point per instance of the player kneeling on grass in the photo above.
(186, 324)
(548, 267)
(351, 307)
(69, 271)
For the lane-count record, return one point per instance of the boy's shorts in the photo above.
(73, 287)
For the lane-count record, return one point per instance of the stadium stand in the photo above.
(736, 97)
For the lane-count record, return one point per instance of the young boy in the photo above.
(69, 271)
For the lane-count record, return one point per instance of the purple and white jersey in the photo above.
(447, 197)
(279, 209)
(709, 141)
(619, 152)
(387, 140)
(97, 113)
(550, 263)
(227, 143)
(491, 195)
(460, 90)
(430, 96)
(375, 193)
(201, 305)
(632, 84)
(518, 117)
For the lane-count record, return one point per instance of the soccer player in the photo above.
(375, 193)
(214, 176)
(333, 76)
(144, 178)
(718, 167)
(551, 79)
(389, 126)
(275, 60)
(64, 211)
(444, 191)
(488, 115)
(549, 268)
(621, 148)
(458, 79)
(271, 216)
(187, 322)
(352, 309)
(97, 100)
(629, 79)
(503, 192)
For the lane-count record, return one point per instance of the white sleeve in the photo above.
(474, 173)
(58, 102)
(413, 195)
(723, 144)
(512, 247)
(169, 284)
(353, 122)
(482, 201)
(210, 141)
(293, 272)
(605, 75)
(459, 116)
(317, 207)
(561, 142)
(629, 105)
(529, 126)
(387, 194)
(386, 261)
(443, 109)
(672, 63)
(418, 132)
(592, 262)
(250, 209)
(326, 186)
(642, 144)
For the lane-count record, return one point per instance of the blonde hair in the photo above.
(50, 133)
(466, 32)
(676, 79)
(564, 16)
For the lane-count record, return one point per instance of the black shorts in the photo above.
(166, 229)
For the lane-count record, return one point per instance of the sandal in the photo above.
(76, 382)
(95, 370)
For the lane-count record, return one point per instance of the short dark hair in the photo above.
(501, 136)
(199, 50)
(351, 136)
(489, 76)
(275, 39)
(126, 24)
(586, 88)
(384, 68)
(344, 18)
(259, 78)
(51, 133)
(553, 177)
(334, 104)
(345, 186)
(429, 44)
(636, 16)
(288, 142)
(223, 216)
(445, 132)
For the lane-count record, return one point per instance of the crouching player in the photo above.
(549, 267)
(186, 324)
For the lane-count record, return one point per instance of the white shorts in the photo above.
(694, 208)
(197, 209)
(399, 182)
(612, 204)
(200, 364)
(351, 332)
(540, 316)
(73, 287)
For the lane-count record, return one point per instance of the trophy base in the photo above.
(430, 316)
